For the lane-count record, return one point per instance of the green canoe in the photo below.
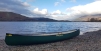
(29, 39)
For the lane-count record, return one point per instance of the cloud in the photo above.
(58, 15)
(78, 11)
(56, 3)
(26, 4)
(71, 13)
(57, 12)
(42, 12)
(15, 6)
(88, 9)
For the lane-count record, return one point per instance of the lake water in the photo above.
(33, 27)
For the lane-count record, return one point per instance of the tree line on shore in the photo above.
(94, 20)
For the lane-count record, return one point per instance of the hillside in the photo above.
(90, 18)
(10, 16)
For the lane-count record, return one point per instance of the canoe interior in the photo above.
(16, 39)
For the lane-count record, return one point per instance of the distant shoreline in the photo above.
(44, 21)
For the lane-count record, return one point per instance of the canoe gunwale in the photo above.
(47, 34)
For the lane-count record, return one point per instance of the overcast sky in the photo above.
(55, 9)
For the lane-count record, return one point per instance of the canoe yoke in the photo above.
(8, 34)
(60, 34)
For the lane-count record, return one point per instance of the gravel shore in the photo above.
(89, 41)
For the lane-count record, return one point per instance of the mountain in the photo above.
(90, 18)
(43, 19)
(10, 16)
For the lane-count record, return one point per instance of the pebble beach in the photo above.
(89, 41)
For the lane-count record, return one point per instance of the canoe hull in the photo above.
(29, 40)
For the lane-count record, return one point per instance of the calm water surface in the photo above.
(33, 27)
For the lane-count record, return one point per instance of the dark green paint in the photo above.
(15, 39)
